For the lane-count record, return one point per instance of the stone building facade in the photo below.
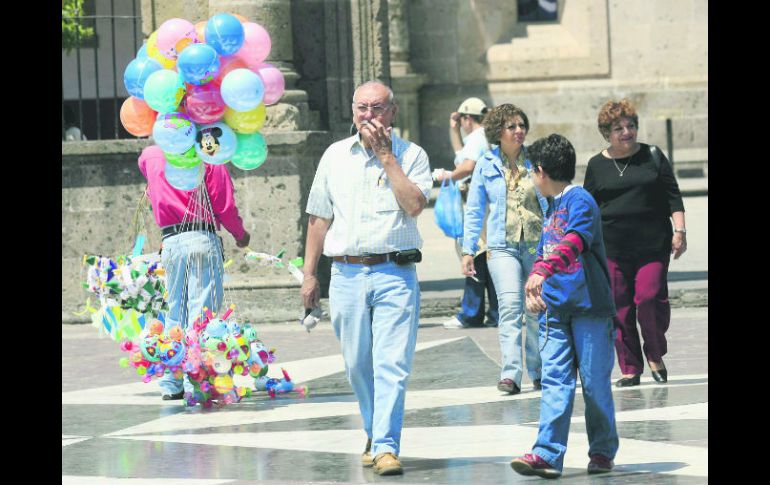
(434, 53)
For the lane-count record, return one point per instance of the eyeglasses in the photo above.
(377, 109)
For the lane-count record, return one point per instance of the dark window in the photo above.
(537, 10)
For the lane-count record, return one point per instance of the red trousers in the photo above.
(640, 289)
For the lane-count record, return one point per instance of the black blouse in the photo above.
(636, 207)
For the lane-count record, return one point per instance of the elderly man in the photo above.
(367, 192)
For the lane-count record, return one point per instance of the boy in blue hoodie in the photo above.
(570, 286)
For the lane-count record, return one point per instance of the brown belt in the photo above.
(367, 260)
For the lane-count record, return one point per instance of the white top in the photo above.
(474, 146)
(351, 188)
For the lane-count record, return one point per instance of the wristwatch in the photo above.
(682, 230)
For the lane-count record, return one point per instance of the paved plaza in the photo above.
(458, 428)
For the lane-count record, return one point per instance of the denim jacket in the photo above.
(488, 186)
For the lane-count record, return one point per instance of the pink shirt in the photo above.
(169, 204)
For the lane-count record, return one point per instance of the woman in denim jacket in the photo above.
(501, 179)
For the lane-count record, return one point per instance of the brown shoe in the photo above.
(387, 464)
(366, 457)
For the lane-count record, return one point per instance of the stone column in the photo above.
(404, 82)
(292, 113)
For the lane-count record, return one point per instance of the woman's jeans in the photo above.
(375, 313)
(570, 344)
(510, 269)
(193, 264)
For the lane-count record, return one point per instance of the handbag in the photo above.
(448, 210)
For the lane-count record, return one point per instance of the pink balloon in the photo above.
(174, 35)
(204, 104)
(274, 83)
(227, 64)
(256, 44)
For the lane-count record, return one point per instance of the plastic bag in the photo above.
(448, 210)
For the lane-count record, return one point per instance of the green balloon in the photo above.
(163, 90)
(251, 152)
(188, 159)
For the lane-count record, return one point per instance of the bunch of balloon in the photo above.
(200, 90)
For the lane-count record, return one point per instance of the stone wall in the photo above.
(655, 53)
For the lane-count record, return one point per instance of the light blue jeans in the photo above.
(193, 263)
(375, 313)
(572, 344)
(510, 269)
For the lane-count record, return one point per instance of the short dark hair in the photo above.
(555, 155)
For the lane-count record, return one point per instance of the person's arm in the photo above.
(316, 233)
(667, 179)
(455, 137)
(475, 211)
(222, 195)
(408, 194)
(679, 241)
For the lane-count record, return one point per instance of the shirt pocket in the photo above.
(385, 200)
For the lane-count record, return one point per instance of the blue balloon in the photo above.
(136, 74)
(242, 89)
(224, 33)
(198, 63)
(184, 178)
(215, 143)
(142, 52)
(174, 133)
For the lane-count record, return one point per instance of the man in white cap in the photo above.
(469, 148)
(467, 119)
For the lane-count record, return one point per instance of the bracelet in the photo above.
(682, 230)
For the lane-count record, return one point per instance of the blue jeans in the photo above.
(472, 310)
(586, 344)
(193, 263)
(375, 313)
(510, 269)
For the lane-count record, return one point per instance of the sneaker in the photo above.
(600, 464)
(490, 323)
(387, 464)
(530, 464)
(537, 384)
(366, 458)
(507, 385)
(173, 397)
(454, 323)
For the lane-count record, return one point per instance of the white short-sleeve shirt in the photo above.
(474, 146)
(351, 188)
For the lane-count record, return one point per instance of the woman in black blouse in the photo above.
(638, 195)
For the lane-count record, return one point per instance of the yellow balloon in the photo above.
(223, 383)
(154, 52)
(246, 122)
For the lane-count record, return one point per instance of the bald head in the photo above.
(373, 100)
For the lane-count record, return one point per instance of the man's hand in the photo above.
(244, 241)
(377, 137)
(439, 174)
(311, 292)
(454, 120)
(533, 290)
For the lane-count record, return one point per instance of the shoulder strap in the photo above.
(655, 152)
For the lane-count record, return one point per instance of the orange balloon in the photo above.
(239, 17)
(200, 29)
(137, 118)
